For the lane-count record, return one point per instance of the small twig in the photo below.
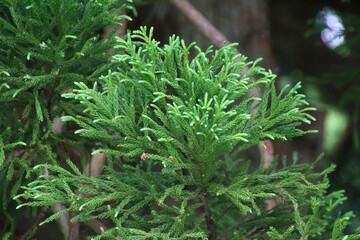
(52, 90)
(96, 225)
(208, 216)
(201, 23)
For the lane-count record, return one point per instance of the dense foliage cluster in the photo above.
(167, 124)
(172, 121)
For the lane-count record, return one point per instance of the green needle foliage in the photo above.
(44, 47)
(172, 128)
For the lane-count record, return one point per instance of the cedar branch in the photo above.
(218, 39)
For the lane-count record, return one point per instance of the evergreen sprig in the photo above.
(194, 110)
(168, 125)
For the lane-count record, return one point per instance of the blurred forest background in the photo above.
(316, 42)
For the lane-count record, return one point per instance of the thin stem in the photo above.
(201, 23)
(52, 90)
(208, 215)
(96, 225)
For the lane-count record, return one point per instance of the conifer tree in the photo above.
(172, 128)
(44, 47)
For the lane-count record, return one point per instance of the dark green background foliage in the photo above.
(169, 126)
(44, 47)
